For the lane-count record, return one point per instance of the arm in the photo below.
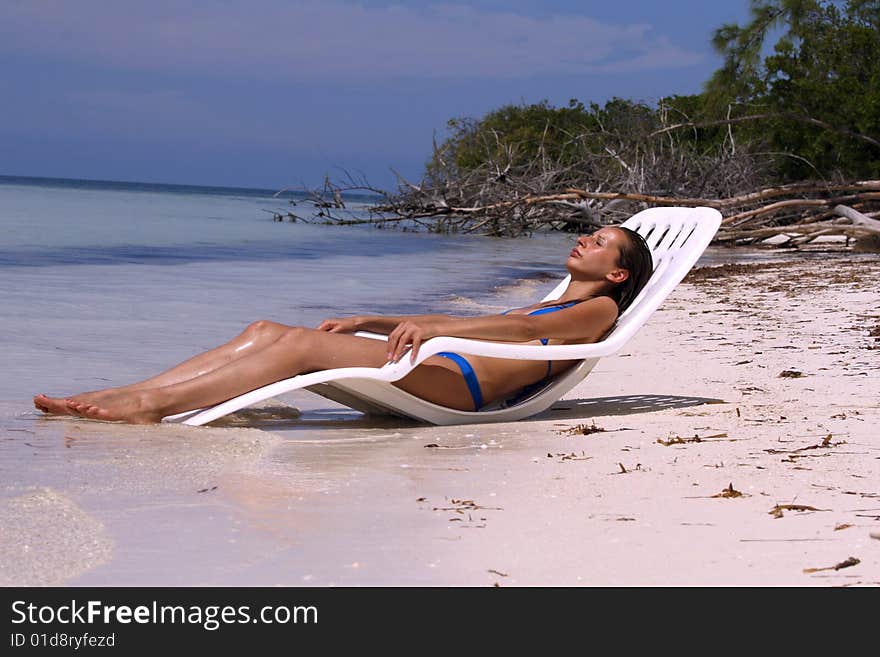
(587, 321)
(375, 323)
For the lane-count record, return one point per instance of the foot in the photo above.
(52, 405)
(133, 408)
(95, 397)
(59, 406)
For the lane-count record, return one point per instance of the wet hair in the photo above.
(635, 257)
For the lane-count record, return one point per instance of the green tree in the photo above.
(819, 90)
(740, 77)
(515, 135)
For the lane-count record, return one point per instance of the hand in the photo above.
(344, 325)
(408, 333)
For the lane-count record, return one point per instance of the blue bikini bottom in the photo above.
(470, 378)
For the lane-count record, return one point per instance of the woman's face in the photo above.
(595, 257)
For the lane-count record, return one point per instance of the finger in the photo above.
(416, 343)
(401, 346)
(401, 341)
(398, 339)
(411, 336)
(392, 343)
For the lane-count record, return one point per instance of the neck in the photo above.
(584, 290)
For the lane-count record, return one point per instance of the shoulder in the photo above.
(599, 315)
(604, 305)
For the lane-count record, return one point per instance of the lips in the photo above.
(574, 254)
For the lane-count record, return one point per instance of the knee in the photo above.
(263, 328)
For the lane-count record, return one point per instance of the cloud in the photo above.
(169, 116)
(342, 41)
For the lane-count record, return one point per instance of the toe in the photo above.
(74, 407)
(95, 413)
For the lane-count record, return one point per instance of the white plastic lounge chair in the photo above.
(677, 237)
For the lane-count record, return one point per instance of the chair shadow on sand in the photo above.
(289, 418)
(584, 409)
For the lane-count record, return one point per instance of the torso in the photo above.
(502, 377)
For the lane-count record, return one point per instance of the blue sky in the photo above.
(267, 93)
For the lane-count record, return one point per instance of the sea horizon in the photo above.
(172, 187)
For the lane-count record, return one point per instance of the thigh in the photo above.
(437, 380)
(321, 350)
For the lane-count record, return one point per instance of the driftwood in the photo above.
(742, 217)
(858, 218)
(797, 215)
(810, 218)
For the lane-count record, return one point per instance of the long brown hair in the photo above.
(635, 257)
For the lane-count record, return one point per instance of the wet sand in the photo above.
(733, 442)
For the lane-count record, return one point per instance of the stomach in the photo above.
(501, 378)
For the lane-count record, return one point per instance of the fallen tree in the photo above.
(586, 168)
(792, 215)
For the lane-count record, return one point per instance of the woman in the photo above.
(608, 269)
